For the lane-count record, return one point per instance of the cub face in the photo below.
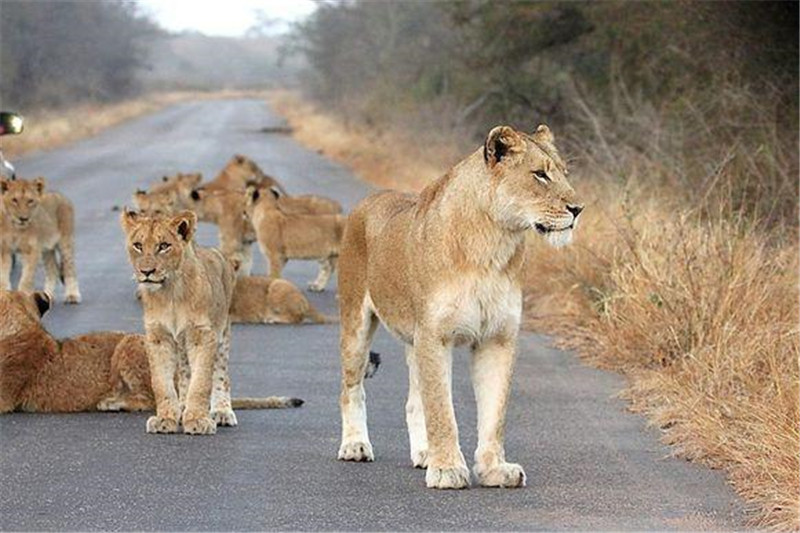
(22, 199)
(528, 184)
(156, 245)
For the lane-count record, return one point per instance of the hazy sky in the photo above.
(222, 17)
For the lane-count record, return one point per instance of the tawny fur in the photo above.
(105, 371)
(282, 236)
(260, 300)
(36, 224)
(441, 269)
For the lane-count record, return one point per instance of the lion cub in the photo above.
(441, 269)
(34, 224)
(282, 236)
(260, 300)
(186, 296)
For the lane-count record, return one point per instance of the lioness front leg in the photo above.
(491, 367)
(446, 466)
(201, 348)
(221, 409)
(162, 357)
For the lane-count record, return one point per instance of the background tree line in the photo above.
(698, 83)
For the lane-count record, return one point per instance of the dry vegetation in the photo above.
(697, 307)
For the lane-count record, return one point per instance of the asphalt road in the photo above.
(590, 464)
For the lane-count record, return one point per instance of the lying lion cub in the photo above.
(260, 300)
(37, 224)
(441, 269)
(106, 371)
(282, 236)
(186, 297)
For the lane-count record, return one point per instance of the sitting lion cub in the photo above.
(441, 269)
(104, 371)
(282, 236)
(37, 224)
(186, 297)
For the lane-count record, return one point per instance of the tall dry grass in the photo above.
(676, 279)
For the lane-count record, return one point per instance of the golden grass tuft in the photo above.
(700, 312)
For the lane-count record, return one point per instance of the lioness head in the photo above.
(157, 245)
(155, 203)
(21, 199)
(529, 187)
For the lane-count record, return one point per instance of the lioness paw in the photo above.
(224, 418)
(419, 458)
(356, 451)
(156, 424)
(506, 475)
(447, 478)
(200, 426)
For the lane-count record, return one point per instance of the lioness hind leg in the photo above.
(357, 329)
(491, 367)
(221, 409)
(415, 416)
(326, 268)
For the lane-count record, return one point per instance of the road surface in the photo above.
(590, 464)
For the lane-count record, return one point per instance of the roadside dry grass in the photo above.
(700, 312)
(50, 128)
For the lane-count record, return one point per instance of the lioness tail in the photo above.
(271, 402)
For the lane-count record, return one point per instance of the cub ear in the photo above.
(543, 134)
(3, 185)
(165, 179)
(501, 142)
(196, 194)
(253, 194)
(185, 223)
(128, 219)
(275, 192)
(239, 158)
(39, 184)
(140, 192)
(43, 302)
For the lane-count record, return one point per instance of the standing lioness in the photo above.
(186, 295)
(442, 268)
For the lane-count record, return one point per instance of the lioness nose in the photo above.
(147, 273)
(575, 209)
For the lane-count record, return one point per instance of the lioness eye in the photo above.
(137, 246)
(541, 175)
(15, 201)
(30, 202)
(164, 246)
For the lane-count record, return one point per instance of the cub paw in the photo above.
(156, 424)
(419, 458)
(109, 404)
(200, 426)
(224, 418)
(316, 287)
(447, 478)
(506, 475)
(72, 298)
(356, 451)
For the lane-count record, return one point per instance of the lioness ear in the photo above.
(185, 223)
(543, 134)
(42, 300)
(501, 142)
(128, 218)
(39, 184)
